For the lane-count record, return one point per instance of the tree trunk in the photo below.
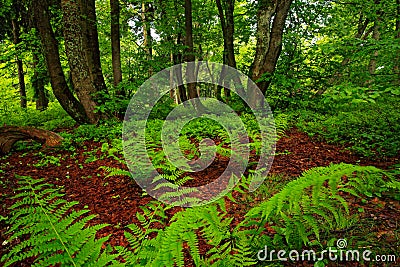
(228, 30)
(265, 12)
(50, 48)
(269, 40)
(147, 39)
(178, 73)
(375, 36)
(116, 44)
(79, 57)
(9, 135)
(38, 83)
(173, 92)
(225, 35)
(190, 58)
(20, 67)
(91, 46)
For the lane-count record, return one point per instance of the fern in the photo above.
(50, 232)
(112, 171)
(313, 203)
(141, 246)
(166, 245)
(281, 122)
(300, 212)
(243, 252)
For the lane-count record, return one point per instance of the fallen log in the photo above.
(9, 135)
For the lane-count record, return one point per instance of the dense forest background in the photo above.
(329, 70)
(91, 56)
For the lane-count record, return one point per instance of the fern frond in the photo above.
(50, 231)
(112, 171)
(313, 202)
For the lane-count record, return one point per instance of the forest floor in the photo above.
(116, 199)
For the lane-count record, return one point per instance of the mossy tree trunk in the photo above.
(271, 17)
(50, 50)
(82, 54)
(91, 43)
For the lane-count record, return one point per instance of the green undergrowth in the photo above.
(200, 128)
(46, 228)
(54, 117)
(303, 213)
(370, 129)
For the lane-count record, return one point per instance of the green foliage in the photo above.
(301, 212)
(172, 174)
(315, 203)
(306, 208)
(51, 231)
(141, 246)
(27, 145)
(348, 94)
(113, 149)
(111, 171)
(48, 159)
(162, 108)
(371, 128)
(52, 118)
(98, 133)
(166, 248)
(112, 104)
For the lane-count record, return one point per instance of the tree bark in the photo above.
(9, 135)
(91, 46)
(263, 35)
(116, 44)
(39, 74)
(269, 40)
(57, 78)
(375, 36)
(228, 31)
(190, 58)
(227, 25)
(147, 39)
(178, 73)
(79, 57)
(178, 59)
(20, 67)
